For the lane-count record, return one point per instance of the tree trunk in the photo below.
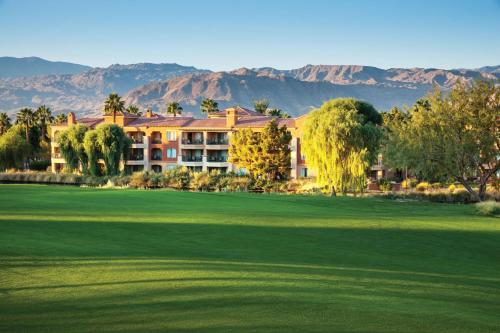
(469, 189)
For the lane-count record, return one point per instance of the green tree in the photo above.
(4, 123)
(277, 113)
(14, 149)
(133, 109)
(174, 108)
(60, 118)
(261, 105)
(71, 145)
(265, 155)
(341, 140)
(26, 119)
(93, 151)
(113, 144)
(209, 106)
(454, 136)
(113, 105)
(43, 118)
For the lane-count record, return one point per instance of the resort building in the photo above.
(161, 143)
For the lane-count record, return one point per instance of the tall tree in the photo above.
(174, 108)
(26, 118)
(60, 118)
(266, 154)
(4, 123)
(113, 105)
(71, 145)
(113, 144)
(261, 105)
(341, 141)
(454, 136)
(209, 106)
(93, 151)
(133, 109)
(43, 118)
(14, 149)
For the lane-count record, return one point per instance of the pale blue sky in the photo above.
(225, 34)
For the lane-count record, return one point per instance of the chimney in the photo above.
(71, 118)
(149, 113)
(231, 117)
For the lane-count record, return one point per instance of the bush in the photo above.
(201, 181)
(452, 188)
(489, 208)
(40, 178)
(422, 187)
(39, 165)
(384, 185)
(436, 186)
(238, 184)
(179, 178)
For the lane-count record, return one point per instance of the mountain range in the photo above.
(68, 87)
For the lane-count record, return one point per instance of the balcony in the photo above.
(137, 157)
(218, 159)
(156, 138)
(198, 141)
(136, 154)
(216, 138)
(192, 158)
(56, 155)
(136, 137)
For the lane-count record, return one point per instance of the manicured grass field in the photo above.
(88, 260)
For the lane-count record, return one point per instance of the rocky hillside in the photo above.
(296, 90)
(11, 67)
(241, 87)
(85, 92)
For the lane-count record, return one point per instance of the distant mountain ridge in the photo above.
(11, 67)
(296, 91)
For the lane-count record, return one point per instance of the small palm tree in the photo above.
(60, 118)
(174, 108)
(261, 105)
(208, 106)
(133, 109)
(113, 104)
(4, 123)
(43, 117)
(26, 118)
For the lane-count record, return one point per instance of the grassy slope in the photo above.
(84, 260)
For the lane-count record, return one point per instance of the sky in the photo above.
(225, 34)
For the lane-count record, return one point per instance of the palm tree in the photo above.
(113, 104)
(133, 109)
(174, 108)
(43, 117)
(261, 105)
(26, 118)
(208, 106)
(4, 123)
(60, 118)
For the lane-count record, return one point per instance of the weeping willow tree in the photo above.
(340, 141)
(93, 151)
(113, 143)
(71, 146)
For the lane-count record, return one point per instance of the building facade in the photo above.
(160, 143)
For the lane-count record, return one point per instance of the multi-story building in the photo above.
(161, 143)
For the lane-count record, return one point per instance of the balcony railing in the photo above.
(136, 140)
(192, 141)
(192, 158)
(136, 157)
(216, 158)
(156, 140)
(56, 155)
(217, 141)
(156, 158)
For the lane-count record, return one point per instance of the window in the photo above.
(171, 135)
(303, 172)
(171, 153)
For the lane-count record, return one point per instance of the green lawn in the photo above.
(87, 260)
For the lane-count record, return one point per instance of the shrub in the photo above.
(422, 187)
(179, 178)
(384, 185)
(40, 165)
(435, 186)
(139, 180)
(201, 181)
(452, 188)
(491, 208)
(238, 184)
